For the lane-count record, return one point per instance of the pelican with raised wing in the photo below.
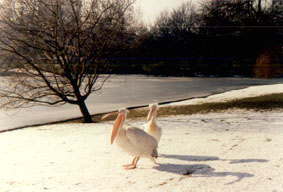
(151, 126)
(132, 140)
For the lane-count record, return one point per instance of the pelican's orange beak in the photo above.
(117, 125)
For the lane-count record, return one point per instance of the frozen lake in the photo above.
(128, 91)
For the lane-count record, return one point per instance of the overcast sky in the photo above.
(150, 9)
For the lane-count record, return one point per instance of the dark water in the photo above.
(130, 90)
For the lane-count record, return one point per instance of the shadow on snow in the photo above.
(203, 170)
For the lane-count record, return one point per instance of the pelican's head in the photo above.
(122, 114)
(123, 111)
(152, 111)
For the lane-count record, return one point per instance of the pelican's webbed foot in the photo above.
(130, 167)
(133, 165)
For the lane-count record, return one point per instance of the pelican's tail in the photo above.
(154, 153)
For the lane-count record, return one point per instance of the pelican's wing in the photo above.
(140, 139)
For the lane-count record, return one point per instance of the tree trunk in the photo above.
(85, 112)
(81, 103)
(259, 6)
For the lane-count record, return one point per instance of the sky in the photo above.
(150, 9)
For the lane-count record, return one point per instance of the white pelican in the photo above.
(151, 126)
(133, 140)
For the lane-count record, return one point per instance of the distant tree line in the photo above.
(221, 38)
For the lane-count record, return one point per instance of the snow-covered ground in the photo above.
(252, 91)
(237, 150)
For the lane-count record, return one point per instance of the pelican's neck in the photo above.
(152, 120)
(122, 124)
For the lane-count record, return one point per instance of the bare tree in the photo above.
(59, 49)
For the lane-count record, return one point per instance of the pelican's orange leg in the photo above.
(134, 165)
(130, 165)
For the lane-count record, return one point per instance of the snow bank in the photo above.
(253, 91)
